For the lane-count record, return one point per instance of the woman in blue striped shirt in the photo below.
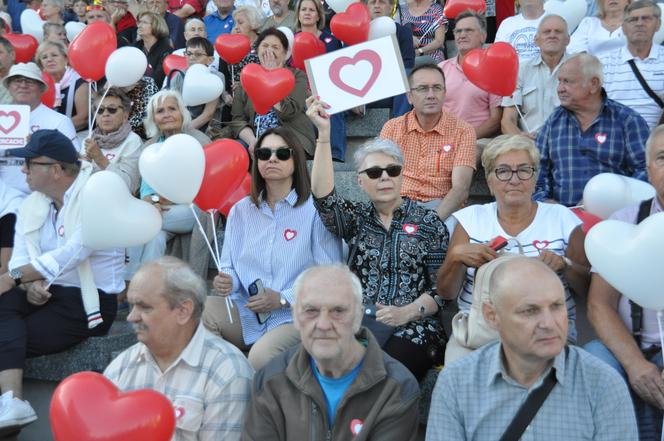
(271, 237)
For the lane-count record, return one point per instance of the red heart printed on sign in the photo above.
(365, 55)
(9, 121)
(493, 69)
(232, 47)
(88, 407)
(266, 88)
(289, 234)
(541, 244)
(352, 26)
(456, 7)
(306, 45)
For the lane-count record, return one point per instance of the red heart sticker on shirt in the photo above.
(410, 229)
(356, 426)
(541, 244)
(110, 156)
(289, 234)
(61, 231)
(447, 148)
(179, 412)
(600, 137)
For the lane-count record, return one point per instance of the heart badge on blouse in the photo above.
(600, 137)
(410, 229)
(61, 231)
(356, 426)
(447, 148)
(179, 412)
(289, 234)
(540, 244)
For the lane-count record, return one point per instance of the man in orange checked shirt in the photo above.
(439, 148)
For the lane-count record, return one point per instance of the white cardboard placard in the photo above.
(358, 74)
(14, 126)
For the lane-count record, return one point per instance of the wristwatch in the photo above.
(16, 275)
(155, 198)
(283, 302)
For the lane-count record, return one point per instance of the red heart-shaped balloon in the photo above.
(352, 26)
(90, 50)
(266, 88)
(232, 47)
(243, 190)
(306, 45)
(226, 163)
(48, 97)
(88, 407)
(24, 45)
(177, 62)
(493, 69)
(589, 219)
(456, 7)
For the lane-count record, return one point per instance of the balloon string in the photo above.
(89, 107)
(233, 77)
(59, 273)
(94, 118)
(522, 118)
(228, 301)
(661, 342)
(207, 241)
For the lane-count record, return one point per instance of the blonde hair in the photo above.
(508, 143)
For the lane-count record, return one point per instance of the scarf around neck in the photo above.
(113, 139)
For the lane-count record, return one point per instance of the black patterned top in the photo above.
(395, 267)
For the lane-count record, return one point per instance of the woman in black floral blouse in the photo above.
(396, 246)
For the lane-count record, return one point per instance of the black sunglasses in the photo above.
(376, 172)
(283, 153)
(111, 110)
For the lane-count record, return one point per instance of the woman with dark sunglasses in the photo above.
(271, 237)
(113, 146)
(395, 245)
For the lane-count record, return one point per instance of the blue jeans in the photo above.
(648, 418)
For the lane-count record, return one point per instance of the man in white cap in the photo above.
(26, 86)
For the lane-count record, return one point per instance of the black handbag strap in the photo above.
(530, 407)
(636, 311)
(651, 93)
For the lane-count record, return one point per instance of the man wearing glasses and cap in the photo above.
(26, 86)
(57, 291)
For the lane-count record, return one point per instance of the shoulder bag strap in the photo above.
(636, 311)
(530, 407)
(651, 93)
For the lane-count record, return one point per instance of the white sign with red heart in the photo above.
(358, 74)
(629, 257)
(14, 125)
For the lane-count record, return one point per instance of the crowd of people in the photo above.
(326, 312)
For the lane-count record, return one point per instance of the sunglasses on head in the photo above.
(376, 172)
(283, 153)
(111, 110)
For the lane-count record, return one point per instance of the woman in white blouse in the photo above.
(603, 33)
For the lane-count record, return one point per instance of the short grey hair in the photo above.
(255, 16)
(508, 143)
(343, 272)
(60, 4)
(151, 129)
(640, 4)
(377, 145)
(549, 17)
(193, 21)
(656, 133)
(181, 283)
(590, 66)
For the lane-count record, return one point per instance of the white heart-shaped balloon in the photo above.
(111, 217)
(658, 38)
(73, 28)
(126, 66)
(31, 23)
(174, 168)
(290, 37)
(629, 257)
(200, 86)
(572, 11)
(606, 193)
(381, 27)
(339, 5)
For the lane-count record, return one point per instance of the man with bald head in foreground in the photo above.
(478, 397)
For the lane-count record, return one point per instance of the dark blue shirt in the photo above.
(614, 143)
(175, 30)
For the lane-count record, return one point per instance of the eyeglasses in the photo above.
(437, 88)
(376, 172)
(195, 54)
(523, 173)
(643, 18)
(29, 163)
(111, 110)
(283, 153)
